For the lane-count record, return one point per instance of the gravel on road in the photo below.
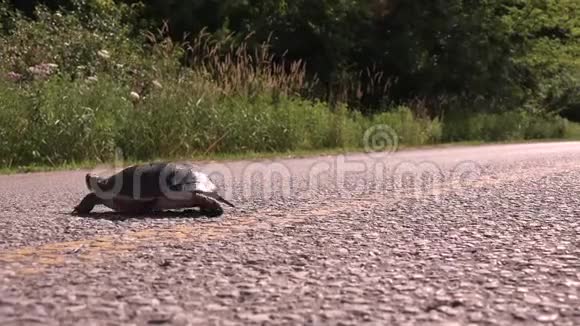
(486, 235)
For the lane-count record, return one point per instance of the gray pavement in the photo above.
(486, 235)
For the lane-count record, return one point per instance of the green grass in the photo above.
(57, 122)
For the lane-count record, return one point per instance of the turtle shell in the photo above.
(154, 180)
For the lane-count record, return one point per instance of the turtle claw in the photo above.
(77, 211)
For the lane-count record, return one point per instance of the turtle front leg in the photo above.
(87, 204)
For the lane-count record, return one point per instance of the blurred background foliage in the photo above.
(461, 69)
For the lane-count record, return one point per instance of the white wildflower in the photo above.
(92, 79)
(104, 54)
(135, 96)
(157, 84)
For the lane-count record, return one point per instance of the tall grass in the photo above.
(71, 93)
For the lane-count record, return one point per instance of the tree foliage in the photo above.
(492, 54)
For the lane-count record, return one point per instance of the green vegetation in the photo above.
(80, 83)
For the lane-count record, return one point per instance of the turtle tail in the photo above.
(223, 200)
(216, 196)
(90, 178)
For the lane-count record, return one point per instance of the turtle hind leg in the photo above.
(208, 206)
(87, 204)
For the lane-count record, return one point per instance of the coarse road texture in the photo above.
(485, 235)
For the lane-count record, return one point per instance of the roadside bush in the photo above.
(410, 130)
(504, 126)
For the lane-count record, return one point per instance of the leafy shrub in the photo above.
(510, 125)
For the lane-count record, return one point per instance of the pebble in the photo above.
(215, 307)
(7, 311)
(334, 314)
(532, 299)
(546, 318)
(475, 316)
(74, 309)
(255, 318)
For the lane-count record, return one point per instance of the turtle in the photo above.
(156, 186)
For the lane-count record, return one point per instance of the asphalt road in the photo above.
(459, 236)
